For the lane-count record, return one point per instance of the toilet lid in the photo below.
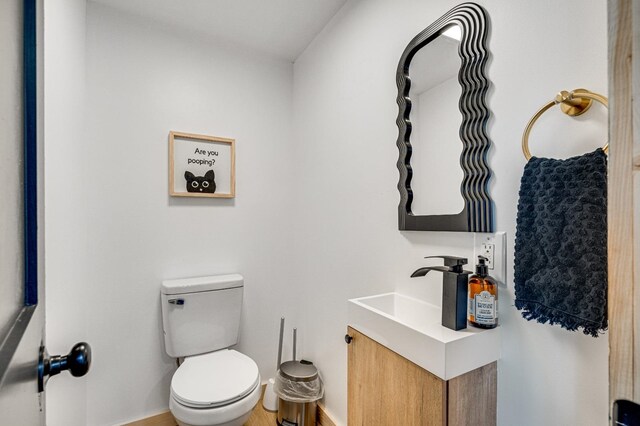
(214, 379)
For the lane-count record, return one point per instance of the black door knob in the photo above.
(347, 339)
(626, 413)
(77, 361)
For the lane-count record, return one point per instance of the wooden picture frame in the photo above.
(201, 166)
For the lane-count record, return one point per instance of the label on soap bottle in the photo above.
(485, 308)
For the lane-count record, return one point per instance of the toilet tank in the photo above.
(201, 314)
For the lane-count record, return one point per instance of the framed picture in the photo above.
(201, 166)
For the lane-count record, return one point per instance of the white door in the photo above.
(24, 364)
(21, 304)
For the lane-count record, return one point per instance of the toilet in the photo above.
(214, 385)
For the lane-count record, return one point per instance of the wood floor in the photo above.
(259, 417)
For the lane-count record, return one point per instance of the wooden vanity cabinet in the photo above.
(386, 389)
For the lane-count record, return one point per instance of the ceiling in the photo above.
(282, 28)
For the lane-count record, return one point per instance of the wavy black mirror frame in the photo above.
(477, 214)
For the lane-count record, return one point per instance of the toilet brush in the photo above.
(295, 339)
(270, 399)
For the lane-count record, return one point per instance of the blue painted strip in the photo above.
(30, 97)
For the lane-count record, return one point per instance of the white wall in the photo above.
(346, 233)
(66, 272)
(113, 231)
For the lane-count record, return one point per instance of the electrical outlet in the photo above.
(493, 247)
(488, 250)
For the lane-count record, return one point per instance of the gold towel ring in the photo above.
(572, 103)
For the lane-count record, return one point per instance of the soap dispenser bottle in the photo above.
(483, 297)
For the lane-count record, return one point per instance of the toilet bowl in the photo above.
(219, 388)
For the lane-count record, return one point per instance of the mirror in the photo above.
(436, 119)
(442, 119)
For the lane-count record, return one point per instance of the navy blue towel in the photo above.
(561, 242)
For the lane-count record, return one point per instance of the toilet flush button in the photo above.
(176, 301)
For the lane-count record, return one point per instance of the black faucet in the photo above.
(454, 290)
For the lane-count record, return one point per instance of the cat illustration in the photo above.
(204, 183)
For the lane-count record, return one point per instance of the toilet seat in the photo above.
(214, 379)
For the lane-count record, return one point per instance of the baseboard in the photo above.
(323, 418)
(162, 419)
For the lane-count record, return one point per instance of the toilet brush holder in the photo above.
(270, 399)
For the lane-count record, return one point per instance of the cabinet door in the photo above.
(386, 389)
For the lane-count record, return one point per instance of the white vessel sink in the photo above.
(412, 328)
